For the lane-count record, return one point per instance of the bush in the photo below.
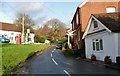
(42, 39)
(65, 45)
(67, 52)
(54, 42)
(107, 60)
(118, 59)
(64, 39)
(93, 57)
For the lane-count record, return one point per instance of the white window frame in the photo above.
(110, 9)
(94, 24)
(94, 46)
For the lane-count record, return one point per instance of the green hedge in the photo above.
(42, 39)
(64, 39)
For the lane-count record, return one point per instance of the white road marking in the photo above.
(54, 49)
(51, 55)
(67, 73)
(54, 61)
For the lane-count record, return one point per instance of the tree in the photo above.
(42, 39)
(28, 22)
(45, 30)
(57, 29)
(53, 30)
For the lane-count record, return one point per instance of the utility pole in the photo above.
(23, 30)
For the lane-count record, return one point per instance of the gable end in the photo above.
(89, 26)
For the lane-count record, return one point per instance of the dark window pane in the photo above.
(97, 46)
(95, 24)
(93, 45)
(101, 44)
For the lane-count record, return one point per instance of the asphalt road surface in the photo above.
(52, 61)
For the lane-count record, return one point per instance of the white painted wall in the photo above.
(118, 44)
(10, 35)
(47, 41)
(109, 46)
(32, 35)
(92, 29)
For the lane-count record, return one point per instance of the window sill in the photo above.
(95, 28)
(101, 51)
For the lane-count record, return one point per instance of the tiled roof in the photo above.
(110, 20)
(8, 26)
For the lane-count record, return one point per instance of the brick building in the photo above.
(83, 13)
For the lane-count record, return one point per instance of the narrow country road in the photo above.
(52, 61)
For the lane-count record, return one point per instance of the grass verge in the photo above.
(0, 60)
(67, 52)
(13, 55)
(73, 53)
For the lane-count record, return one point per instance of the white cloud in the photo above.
(34, 10)
(44, 21)
(27, 7)
(5, 18)
(48, 19)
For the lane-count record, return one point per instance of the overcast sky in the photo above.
(39, 11)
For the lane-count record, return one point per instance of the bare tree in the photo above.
(52, 29)
(28, 22)
(45, 30)
(58, 29)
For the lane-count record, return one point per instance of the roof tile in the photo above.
(110, 20)
(8, 26)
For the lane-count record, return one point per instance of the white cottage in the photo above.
(9, 31)
(102, 36)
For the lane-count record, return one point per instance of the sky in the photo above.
(39, 11)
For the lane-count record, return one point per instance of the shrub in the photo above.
(65, 45)
(42, 39)
(64, 39)
(107, 60)
(93, 57)
(67, 52)
(118, 59)
(83, 45)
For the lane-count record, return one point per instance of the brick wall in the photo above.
(94, 8)
(119, 6)
(84, 14)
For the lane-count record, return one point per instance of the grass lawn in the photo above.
(13, 54)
